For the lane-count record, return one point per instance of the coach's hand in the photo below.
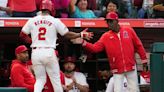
(79, 41)
(86, 35)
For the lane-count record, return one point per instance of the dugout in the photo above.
(157, 67)
(149, 31)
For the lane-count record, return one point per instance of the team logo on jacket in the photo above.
(125, 34)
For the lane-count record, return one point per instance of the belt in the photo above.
(41, 47)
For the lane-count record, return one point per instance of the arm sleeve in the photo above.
(25, 37)
(61, 28)
(19, 79)
(138, 46)
(27, 27)
(96, 47)
(62, 78)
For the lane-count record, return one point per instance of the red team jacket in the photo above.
(120, 51)
(21, 76)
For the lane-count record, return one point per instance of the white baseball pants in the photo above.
(45, 61)
(132, 81)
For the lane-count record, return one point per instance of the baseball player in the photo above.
(43, 29)
(120, 43)
(74, 81)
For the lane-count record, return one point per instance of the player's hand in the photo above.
(77, 41)
(86, 35)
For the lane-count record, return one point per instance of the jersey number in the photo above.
(42, 32)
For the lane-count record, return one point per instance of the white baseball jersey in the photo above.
(80, 79)
(43, 30)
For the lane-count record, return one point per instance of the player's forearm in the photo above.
(25, 37)
(72, 35)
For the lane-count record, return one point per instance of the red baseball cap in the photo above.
(70, 59)
(112, 15)
(20, 49)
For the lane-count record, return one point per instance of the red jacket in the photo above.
(21, 76)
(120, 51)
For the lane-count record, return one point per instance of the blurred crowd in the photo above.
(85, 8)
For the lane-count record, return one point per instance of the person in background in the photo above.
(78, 9)
(114, 6)
(146, 10)
(129, 7)
(111, 6)
(158, 9)
(5, 10)
(22, 8)
(120, 43)
(61, 8)
(74, 81)
(20, 74)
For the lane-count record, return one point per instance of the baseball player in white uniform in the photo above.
(43, 30)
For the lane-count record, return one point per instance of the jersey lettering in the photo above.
(42, 32)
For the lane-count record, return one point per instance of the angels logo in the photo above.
(125, 34)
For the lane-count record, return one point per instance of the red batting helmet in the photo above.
(112, 15)
(47, 5)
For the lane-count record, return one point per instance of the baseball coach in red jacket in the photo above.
(121, 44)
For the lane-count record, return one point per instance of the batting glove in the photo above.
(86, 35)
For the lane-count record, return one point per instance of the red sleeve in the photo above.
(29, 62)
(25, 37)
(62, 78)
(97, 46)
(18, 79)
(138, 46)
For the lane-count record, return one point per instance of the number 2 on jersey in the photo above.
(42, 32)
